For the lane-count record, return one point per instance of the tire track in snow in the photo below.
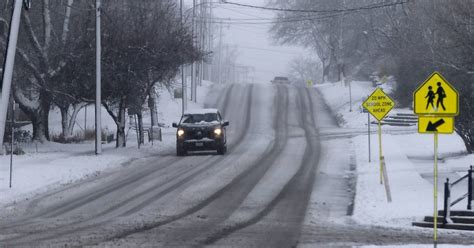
(291, 203)
(232, 195)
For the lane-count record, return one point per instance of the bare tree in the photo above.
(44, 45)
(304, 69)
(134, 60)
(407, 39)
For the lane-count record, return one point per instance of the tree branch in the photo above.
(66, 22)
(47, 24)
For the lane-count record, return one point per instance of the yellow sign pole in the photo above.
(380, 153)
(435, 227)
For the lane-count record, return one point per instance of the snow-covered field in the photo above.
(50, 165)
(409, 161)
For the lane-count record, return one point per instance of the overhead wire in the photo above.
(312, 16)
(367, 7)
(274, 20)
(239, 12)
(263, 49)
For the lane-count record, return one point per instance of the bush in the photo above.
(17, 149)
(20, 136)
(59, 138)
(78, 137)
(89, 134)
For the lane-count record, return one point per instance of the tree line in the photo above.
(404, 38)
(144, 43)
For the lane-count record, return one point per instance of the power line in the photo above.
(282, 20)
(263, 49)
(314, 16)
(302, 17)
(240, 12)
(367, 7)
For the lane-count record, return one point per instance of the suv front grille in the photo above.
(198, 134)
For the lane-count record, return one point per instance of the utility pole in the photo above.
(202, 39)
(204, 35)
(193, 69)
(219, 65)
(234, 75)
(8, 66)
(98, 100)
(210, 39)
(184, 92)
(202, 43)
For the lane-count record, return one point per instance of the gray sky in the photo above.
(255, 46)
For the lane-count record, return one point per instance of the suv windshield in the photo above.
(197, 118)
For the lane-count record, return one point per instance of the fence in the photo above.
(447, 195)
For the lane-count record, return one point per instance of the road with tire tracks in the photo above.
(257, 195)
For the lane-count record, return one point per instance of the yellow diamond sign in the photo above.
(433, 124)
(378, 104)
(436, 97)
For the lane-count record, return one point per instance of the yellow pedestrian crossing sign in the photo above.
(432, 124)
(378, 104)
(436, 102)
(436, 97)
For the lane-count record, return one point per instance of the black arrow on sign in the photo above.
(432, 127)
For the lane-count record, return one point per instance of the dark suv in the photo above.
(201, 130)
(280, 80)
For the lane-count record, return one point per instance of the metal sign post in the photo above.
(380, 151)
(12, 140)
(379, 104)
(435, 221)
(368, 134)
(436, 102)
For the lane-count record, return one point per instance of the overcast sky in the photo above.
(256, 48)
(254, 43)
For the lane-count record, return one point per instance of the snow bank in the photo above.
(411, 194)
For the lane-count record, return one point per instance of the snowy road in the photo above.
(257, 195)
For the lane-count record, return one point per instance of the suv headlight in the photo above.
(217, 131)
(180, 132)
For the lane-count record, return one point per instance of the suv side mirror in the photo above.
(225, 123)
(175, 125)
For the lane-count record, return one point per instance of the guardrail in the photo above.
(447, 195)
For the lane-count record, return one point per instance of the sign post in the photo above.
(378, 104)
(368, 134)
(12, 140)
(436, 102)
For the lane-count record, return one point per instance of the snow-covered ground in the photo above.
(50, 165)
(409, 162)
(338, 98)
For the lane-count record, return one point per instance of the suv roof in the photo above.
(281, 78)
(201, 111)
